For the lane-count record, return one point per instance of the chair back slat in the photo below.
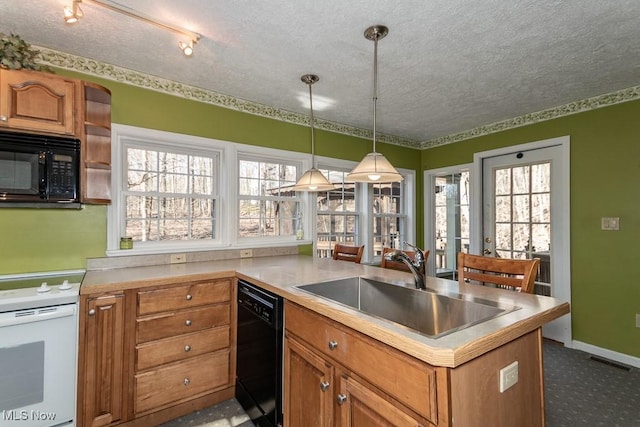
(515, 274)
(348, 253)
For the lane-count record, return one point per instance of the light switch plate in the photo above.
(508, 376)
(610, 223)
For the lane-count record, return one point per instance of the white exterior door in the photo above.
(525, 214)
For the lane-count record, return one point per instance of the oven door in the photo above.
(38, 366)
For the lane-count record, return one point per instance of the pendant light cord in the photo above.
(313, 142)
(375, 87)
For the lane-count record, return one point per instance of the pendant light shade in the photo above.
(313, 179)
(375, 167)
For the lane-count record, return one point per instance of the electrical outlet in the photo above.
(178, 258)
(508, 376)
(246, 253)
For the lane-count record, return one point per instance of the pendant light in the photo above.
(313, 179)
(375, 167)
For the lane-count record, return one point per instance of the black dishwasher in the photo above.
(259, 354)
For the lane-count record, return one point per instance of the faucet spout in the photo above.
(415, 266)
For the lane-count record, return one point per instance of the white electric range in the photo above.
(38, 348)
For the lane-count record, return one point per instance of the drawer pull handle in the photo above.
(187, 348)
(92, 312)
(333, 345)
(188, 322)
(324, 385)
(189, 297)
(186, 381)
(341, 399)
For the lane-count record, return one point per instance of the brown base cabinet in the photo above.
(336, 376)
(155, 353)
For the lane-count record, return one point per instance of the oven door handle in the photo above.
(36, 315)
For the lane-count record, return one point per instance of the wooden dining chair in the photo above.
(348, 253)
(514, 274)
(399, 265)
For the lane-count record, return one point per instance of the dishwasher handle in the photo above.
(36, 315)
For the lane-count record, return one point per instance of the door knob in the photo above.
(341, 399)
(187, 322)
(333, 345)
(324, 385)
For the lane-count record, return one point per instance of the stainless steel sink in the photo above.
(424, 311)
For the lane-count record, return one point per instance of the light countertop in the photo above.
(280, 274)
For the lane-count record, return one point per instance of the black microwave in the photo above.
(39, 170)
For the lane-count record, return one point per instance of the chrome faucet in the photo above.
(416, 265)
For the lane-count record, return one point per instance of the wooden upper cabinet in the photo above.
(38, 102)
(95, 168)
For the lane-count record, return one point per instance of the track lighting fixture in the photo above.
(187, 48)
(74, 13)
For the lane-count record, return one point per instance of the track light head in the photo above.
(187, 48)
(74, 13)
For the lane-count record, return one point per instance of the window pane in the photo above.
(520, 237)
(151, 172)
(541, 178)
(503, 208)
(503, 236)
(521, 180)
(503, 181)
(541, 209)
(521, 208)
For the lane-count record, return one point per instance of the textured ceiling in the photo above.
(446, 66)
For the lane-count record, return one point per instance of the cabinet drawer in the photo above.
(411, 382)
(184, 296)
(182, 322)
(181, 380)
(185, 346)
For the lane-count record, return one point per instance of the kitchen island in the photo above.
(458, 374)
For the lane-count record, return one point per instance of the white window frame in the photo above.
(430, 208)
(364, 201)
(227, 200)
(266, 157)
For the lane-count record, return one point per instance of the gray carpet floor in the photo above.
(579, 391)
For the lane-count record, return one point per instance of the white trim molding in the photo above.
(625, 359)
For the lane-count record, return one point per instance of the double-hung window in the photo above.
(169, 194)
(389, 216)
(267, 204)
(337, 216)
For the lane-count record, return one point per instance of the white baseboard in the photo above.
(625, 359)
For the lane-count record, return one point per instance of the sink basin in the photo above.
(424, 311)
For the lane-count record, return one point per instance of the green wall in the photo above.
(605, 166)
(51, 239)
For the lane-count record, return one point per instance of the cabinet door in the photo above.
(103, 341)
(308, 389)
(37, 102)
(359, 406)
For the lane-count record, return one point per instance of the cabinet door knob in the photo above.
(341, 399)
(186, 381)
(333, 345)
(187, 348)
(3, 118)
(189, 297)
(187, 322)
(324, 385)
(92, 312)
